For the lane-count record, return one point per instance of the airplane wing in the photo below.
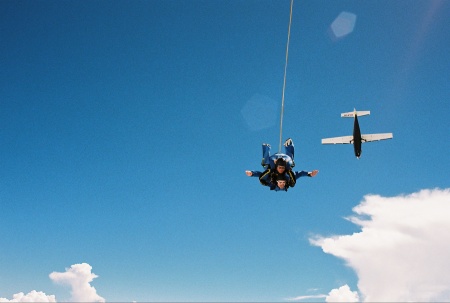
(376, 137)
(338, 140)
(358, 113)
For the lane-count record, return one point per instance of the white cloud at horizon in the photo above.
(78, 277)
(342, 294)
(401, 253)
(32, 296)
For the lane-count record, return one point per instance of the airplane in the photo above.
(357, 139)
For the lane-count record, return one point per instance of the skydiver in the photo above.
(278, 179)
(271, 161)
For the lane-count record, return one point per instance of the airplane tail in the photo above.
(358, 113)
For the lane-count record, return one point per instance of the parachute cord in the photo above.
(284, 80)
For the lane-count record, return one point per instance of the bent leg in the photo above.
(266, 154)
(289, 150)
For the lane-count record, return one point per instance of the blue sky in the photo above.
(126, 128)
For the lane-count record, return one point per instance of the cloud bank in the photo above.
(402, 252)
(32, 296)
(342, 294)
(78, 277)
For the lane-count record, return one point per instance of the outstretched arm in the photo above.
(303, 173)
(253, 173)
(313, 173)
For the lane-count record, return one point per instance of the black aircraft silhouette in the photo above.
(357, 139)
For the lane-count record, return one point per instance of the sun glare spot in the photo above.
(343, 25)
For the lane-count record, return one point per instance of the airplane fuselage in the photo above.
(357, 138)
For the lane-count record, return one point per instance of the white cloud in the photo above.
(32, 296)
(78, 277)
(402, 252)
(342, 294)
